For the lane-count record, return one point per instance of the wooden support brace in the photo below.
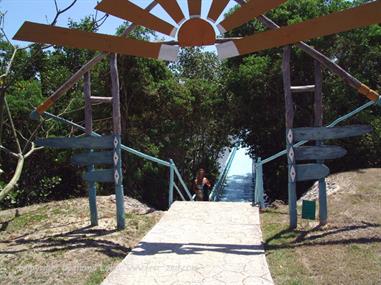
(96, 99)
(301, 89)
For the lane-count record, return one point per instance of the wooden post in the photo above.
(171, 183)
(259, 184)
(318, 122)
(92, 188)
(116, 116)
(289, 137)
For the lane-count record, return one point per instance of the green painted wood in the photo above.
(90, 158)
(311, 171)
(100, 175)
(171, 183)
(319, 152)
(103, 142)
(322, 133)
(308, 210)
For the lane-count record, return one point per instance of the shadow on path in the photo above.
(152, 248)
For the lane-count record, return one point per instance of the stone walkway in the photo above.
(199, 243)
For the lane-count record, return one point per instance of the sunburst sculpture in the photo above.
(194, 30)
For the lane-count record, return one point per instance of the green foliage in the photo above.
(189, 110)
(256, 89)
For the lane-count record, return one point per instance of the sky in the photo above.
(43, 11)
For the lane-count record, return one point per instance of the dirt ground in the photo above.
(52, 243)
(345, 251)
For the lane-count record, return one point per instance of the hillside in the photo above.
(346, 251)
(52, 244)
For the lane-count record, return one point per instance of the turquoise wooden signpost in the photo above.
(319, 152)
(100, 150)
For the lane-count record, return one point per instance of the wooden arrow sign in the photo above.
(312, 171)
(104, 142)
(101, 175)
(319, 152)
(90, 158)
(324, 133)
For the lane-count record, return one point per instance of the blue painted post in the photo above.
(118, 175)
(91, 186)
(171, 182)
(259, 190)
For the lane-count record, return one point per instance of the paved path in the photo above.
(199, 243)
(239, 184)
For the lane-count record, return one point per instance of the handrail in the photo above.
(177, 172)
(221, 178)
(334, 123)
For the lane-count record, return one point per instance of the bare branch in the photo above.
(3, 148)
(12, 126)
(60, 12)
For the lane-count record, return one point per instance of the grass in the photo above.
(53, 244)
(346, 251)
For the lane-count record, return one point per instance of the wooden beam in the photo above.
(85, 68)
(302, 89)
(129, 11)
(116, 117)
(326, 62)
(289, 105)
(91, 186)
(96, 99)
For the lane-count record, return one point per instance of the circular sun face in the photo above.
(196, 32)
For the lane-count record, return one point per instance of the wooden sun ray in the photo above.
(129, 11)
(173, 9)
(39, 33)
(247, 12)
(361, 16)
(218, 6)
(194, 7)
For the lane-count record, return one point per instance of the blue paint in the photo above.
(322, 152)
(99, 175)
(118, 180)
(100, 157)
(334, 123)
(103, 142)
(292, 173)
(323, 133)
(259, 191)
(311, 171)
(92, 191)
(182, 181)
(171, 183)
(123, 147)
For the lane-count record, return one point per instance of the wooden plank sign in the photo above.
(311, 171)
(323, 133)
(90, 158)
(101, 175)
(104, 142)
(319, 152)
